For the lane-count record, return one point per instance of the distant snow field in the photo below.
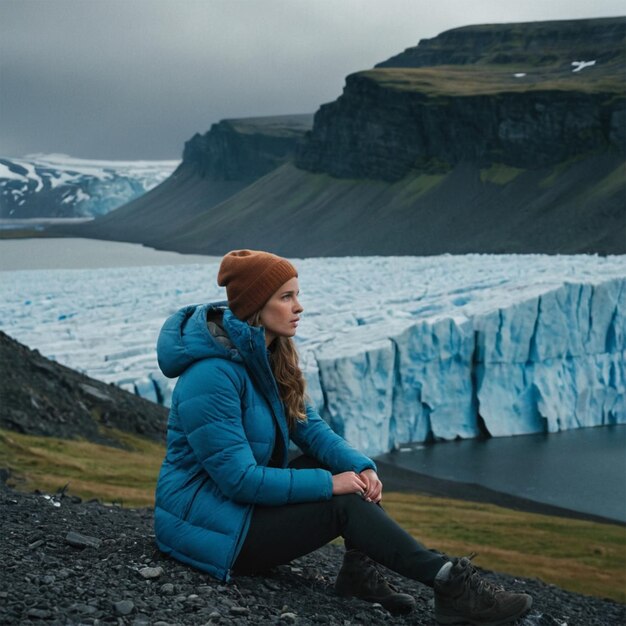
(74, 187)
(395, 349)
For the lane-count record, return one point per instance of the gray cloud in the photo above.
(136, 78)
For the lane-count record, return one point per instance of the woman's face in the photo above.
(281, 313)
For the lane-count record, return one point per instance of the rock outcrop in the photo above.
(41, 397)
(247, 148)
(401, 131)
(540, 44)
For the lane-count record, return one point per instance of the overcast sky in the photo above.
(134, 79)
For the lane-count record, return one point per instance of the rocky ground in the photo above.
(70, 562)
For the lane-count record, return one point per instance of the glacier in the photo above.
(394, 349)
(57, 185)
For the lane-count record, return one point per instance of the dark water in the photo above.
(581, 470)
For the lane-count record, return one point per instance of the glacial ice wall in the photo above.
(553, 362)
(394, 349)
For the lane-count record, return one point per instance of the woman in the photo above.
(227, 501)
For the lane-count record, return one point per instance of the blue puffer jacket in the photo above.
(225, 418)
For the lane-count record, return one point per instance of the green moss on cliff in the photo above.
(612, 183)
(412, 187)
(499, 174)
(558, 170)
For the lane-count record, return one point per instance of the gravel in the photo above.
(109, 571)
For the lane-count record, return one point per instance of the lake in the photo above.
(75, 253)
(581, 470)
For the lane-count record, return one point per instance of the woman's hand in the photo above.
(374, 490)
(348, 482)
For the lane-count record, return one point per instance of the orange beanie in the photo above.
(251, 277)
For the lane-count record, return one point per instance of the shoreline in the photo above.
(401, 480)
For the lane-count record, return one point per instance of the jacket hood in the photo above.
(185, 338)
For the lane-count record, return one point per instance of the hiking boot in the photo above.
(463, 596)
(359, 577)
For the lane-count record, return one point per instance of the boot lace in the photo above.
(477, 582)
(375, 576)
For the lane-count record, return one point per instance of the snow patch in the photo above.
(581, 65)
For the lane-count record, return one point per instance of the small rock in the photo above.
(124, 607)
(47, 580)
(36, 544)
(64, 573)
(239, 610)
(39, 613)
(271, 585)
(141, 620)
(289, 617)
(151, 572)
(94, 392)
(82, 541)
(85, 609)
(167, 588)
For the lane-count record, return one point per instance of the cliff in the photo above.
(545, 45)
(215, 166)
(505, 94)
(245, 149)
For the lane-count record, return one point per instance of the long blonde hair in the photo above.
(288, 375)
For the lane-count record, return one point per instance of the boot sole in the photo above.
(457, 619)
(402, 607)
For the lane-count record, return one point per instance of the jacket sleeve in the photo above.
(210, 412)
(317, 439)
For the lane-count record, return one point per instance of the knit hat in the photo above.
(251, 277)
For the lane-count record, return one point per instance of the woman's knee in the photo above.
(351, 503)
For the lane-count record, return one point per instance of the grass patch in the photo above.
(477, 80)
(127, 476)
(584, 557)
(499, 174)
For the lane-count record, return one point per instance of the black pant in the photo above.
(279, 534)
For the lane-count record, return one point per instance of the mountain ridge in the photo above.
(57, 185)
